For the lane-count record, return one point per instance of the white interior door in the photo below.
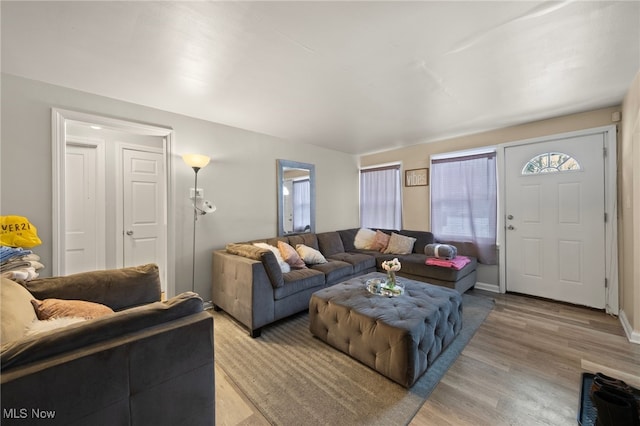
(84, 206)
(555, 220)
(144, 217)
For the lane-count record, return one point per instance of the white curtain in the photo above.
(380, 198)
(464, 202)
(301, 205)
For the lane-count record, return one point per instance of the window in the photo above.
(380, 198)
(550, 162)
(464, 202)
(301, 205)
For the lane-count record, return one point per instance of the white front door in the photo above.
(84, 207)
(555, 224)
(144, 203)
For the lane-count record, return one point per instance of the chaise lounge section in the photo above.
(249, 284)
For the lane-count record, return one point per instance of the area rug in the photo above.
(294, 378)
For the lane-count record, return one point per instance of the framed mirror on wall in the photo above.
(296, 189)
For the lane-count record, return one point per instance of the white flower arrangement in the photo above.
(391, 265)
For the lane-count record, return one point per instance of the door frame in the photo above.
(611, 201)
(59, 119)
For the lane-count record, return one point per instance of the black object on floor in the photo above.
(587, 412)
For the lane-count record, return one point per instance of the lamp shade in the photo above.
(196, 160)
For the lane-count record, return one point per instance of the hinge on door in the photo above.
(604, 152)
(605, 217)
(606, 283)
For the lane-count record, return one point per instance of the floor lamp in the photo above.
(196, 162)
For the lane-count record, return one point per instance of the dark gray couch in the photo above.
(248, 284)
(150, 362)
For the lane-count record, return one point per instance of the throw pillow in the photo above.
(380, 242)
(400, 244)
(364, 239)
(291, 256)
(309, 255)
(284, 266)
(57, 308)
(38, 327)
(16, 312)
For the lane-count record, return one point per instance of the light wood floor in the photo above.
(522, 367)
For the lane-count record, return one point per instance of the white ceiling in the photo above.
(352, 76)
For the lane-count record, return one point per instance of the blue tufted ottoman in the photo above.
(399, 337)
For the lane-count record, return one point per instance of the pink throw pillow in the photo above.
(291, 256)
(381, 241)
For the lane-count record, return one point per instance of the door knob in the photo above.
(129, 232)
(510, 217)
(511, 227)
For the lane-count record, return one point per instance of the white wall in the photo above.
(240, 180)
(629, 207)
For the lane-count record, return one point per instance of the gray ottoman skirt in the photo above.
(399, 337)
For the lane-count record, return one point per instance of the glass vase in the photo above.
(391, 279)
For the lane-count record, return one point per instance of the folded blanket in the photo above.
(440, 251)
(7, 253)
(21, 264)
(457, 262)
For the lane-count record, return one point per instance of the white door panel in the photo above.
(84, 206)
(143, 210)
(555, 223)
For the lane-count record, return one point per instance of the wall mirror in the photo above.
(296, 184)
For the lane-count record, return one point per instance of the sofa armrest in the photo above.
(80, 335)
(267, 258)
(117, 288)
(242, 288)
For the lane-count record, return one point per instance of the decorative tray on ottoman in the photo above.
(380, 287)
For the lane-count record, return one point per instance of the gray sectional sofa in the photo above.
(249, 285)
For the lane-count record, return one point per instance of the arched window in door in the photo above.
(550, 162)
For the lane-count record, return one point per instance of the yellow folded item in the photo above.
(17, 231)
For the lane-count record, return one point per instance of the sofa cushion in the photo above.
(16, 312)
(348, 237)
(414, 264)
(422, 239)
(381, 241)
(59, 308)
(364, 239)
(399, 244)
(309, 240)
(334, 270)
(330, 243)
(291, 256)
(299, 280)
(309, 255)
(116, 288)
(359, 261)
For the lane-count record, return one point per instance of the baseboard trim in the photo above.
(494, 288)
(633, 336)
